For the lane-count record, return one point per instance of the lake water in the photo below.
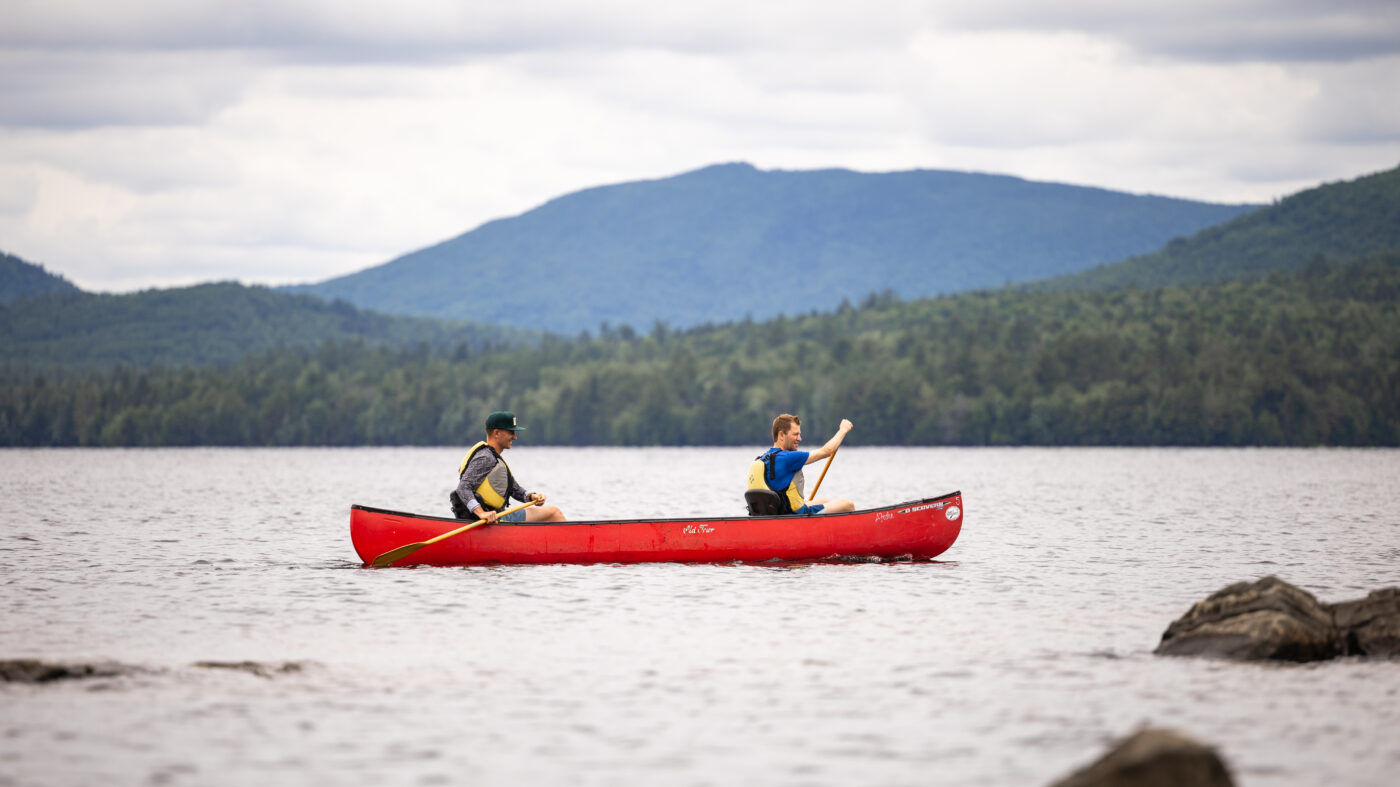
(1016, 657)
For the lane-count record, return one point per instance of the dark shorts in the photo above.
(809, 510)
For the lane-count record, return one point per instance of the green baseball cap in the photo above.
(502, 419)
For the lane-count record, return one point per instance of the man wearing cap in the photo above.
(485, 484)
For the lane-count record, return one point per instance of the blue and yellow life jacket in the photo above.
(763, 469)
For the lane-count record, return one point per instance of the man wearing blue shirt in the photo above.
(783, 465)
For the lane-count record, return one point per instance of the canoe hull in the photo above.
(919, 530)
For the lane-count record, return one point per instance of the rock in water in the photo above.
(36, 671)
(1370, 626)
(1267, 619)
(1154, 758)
(261, 669)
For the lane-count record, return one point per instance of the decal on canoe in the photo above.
(698, 528)
(925, 507)
(953, 513)
(883, 515)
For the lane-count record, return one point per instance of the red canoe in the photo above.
(918, 530)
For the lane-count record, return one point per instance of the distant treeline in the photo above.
(1308, 357)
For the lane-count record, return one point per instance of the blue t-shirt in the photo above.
(785, 466)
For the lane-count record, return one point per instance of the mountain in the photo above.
(730, 241)
(1340, 221)
(20, 279)
(202, 325)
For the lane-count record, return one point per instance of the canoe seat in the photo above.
(459, 508)
(762, 502)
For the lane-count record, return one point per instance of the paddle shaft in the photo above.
(822, 477)
(395, 555)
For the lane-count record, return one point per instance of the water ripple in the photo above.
(1012, 660)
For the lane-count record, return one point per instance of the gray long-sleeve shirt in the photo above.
(477, 469)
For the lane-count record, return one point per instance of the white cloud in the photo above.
(417, 30)
(1216, 30)
(64, 90)
(166, 142)
(1353, 103)
(19, 189)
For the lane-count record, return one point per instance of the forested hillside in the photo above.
(20, 279)
(1304, 357)
(1339, 220)
(205, 324)
(723, 242)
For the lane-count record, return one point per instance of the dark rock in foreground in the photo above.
(36, 671)
(1153, 758)
(1271, 619)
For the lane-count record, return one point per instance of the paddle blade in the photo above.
(395, 555)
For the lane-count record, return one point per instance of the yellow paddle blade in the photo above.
(395, 555)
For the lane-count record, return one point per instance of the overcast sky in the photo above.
(167, 142)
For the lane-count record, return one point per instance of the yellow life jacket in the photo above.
(762, 470)
(493, 488)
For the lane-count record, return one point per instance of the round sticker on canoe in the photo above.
(952, 512)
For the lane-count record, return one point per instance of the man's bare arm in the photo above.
(832, 444)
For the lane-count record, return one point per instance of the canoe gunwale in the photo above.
(659, 521)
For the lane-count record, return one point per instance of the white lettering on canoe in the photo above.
(883, 515)
(926, 507)
(701, 528)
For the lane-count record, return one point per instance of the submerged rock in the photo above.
(36, 671)
(1153, 758)
(261, 669)
(1271, 619)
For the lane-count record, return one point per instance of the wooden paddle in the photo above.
(395, 555)
(822, 477)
